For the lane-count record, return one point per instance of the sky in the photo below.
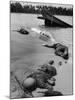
(47, 4)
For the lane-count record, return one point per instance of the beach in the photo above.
(28, 49)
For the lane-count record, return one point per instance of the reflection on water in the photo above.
(28, 49)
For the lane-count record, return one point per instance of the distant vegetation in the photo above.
(18, 8)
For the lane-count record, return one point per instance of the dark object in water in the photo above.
(65, 62)
(23, 31)
(53, 93)
(60, 63)
(52, 21)
(60, 50)
(51, 62)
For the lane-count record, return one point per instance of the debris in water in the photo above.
(51, 62)
(65, 62)
(22, 31)
(60, 50)
(53, 93)
(60, 63)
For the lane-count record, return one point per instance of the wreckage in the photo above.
(60, 50)
(22, 31)
(52, 21)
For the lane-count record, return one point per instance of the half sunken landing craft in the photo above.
(52, 21)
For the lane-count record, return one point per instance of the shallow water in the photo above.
(29, 49)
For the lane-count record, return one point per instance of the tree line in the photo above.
(18, 8)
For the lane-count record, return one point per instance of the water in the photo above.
(29, 49)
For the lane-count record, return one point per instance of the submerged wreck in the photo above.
(52, 21)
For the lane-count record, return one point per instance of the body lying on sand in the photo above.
(38, 83)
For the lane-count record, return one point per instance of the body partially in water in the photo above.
(28, 49)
